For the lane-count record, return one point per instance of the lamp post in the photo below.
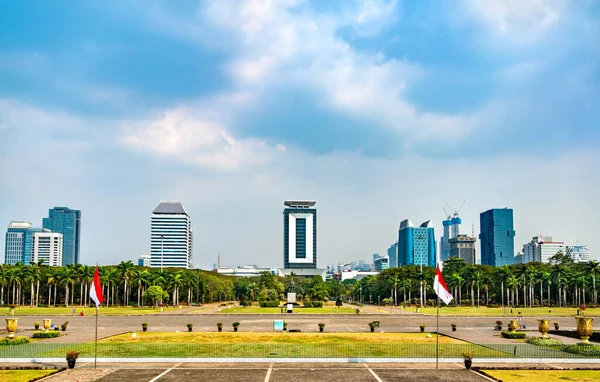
(361, 299)
(162, 239)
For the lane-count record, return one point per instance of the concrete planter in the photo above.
(584, 328)
(544, 327)
(11, 326)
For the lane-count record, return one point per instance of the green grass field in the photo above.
(121, 311)
(499, 312)
(23, 375)
(277, 337)
(259, 310)
(545, 375)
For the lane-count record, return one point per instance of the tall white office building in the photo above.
(170, 236)
(47, 246)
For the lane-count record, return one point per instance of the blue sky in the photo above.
(379, 110)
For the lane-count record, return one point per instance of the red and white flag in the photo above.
(440, 286)
(96, 289)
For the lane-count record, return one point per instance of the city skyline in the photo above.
(379, 110)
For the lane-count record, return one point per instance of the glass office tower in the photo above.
(67, 222)
(416, 245)
(497, 237)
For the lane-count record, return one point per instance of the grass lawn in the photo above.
(499, 312)
(121, 311)
(261, 345)
(285, 338)
(23, 375)
(545, 375)
(259, 310)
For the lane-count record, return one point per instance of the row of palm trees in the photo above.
(123, 284)
(557, 284)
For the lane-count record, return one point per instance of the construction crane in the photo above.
(456, 212)
(448, 216)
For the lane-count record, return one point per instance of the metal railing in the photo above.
(279, 350)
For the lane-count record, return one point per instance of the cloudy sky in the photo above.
(378, 110)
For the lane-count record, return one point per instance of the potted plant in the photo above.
(71, 358)
(372, 326)
(36, 325)
(145, 326)
(63, 327)
(422, 326)
(556, 326)
(220, 326)
(190, 326)
(499, 325)
(235, 326)
(468, 356)
(453, 327)
(321, 327)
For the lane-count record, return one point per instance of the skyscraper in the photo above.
(300, 234)
(451, 231)
(392, 253)
(170, 236)
(497, 237)
(416, 245)
(19, 242)
(67, 222)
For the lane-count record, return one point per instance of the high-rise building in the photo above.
(48, 246)
(416, 245)
(445, 240)
(392, 253)
(463, 246)
(497, 237)
(19, 242)
(380, 262)
(579, 253)
(170, 236)
(67, 222)
(541, 248)
(300, 234)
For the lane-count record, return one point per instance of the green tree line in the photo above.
(558, 283)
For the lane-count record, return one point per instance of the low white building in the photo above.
(579, 253)
(349, 275)
(247, 271)
(48, 246)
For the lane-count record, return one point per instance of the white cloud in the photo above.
(517, 21)
(200, 140)
(281, 45)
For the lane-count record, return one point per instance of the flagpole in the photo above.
(96, 341)
(437, 333)
(96, 336)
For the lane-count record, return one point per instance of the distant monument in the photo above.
(291, 297)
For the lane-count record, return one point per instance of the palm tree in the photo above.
(513, 284)
(558, 275)
(4, 277)
(125, 269)
(502, 274)
(593, 267)
(87, 275)
(52, 279)
(67, 276)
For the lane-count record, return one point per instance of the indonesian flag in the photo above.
(96, 289)
(440, 286)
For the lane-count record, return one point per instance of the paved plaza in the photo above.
(270, 373)
(472, 329)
